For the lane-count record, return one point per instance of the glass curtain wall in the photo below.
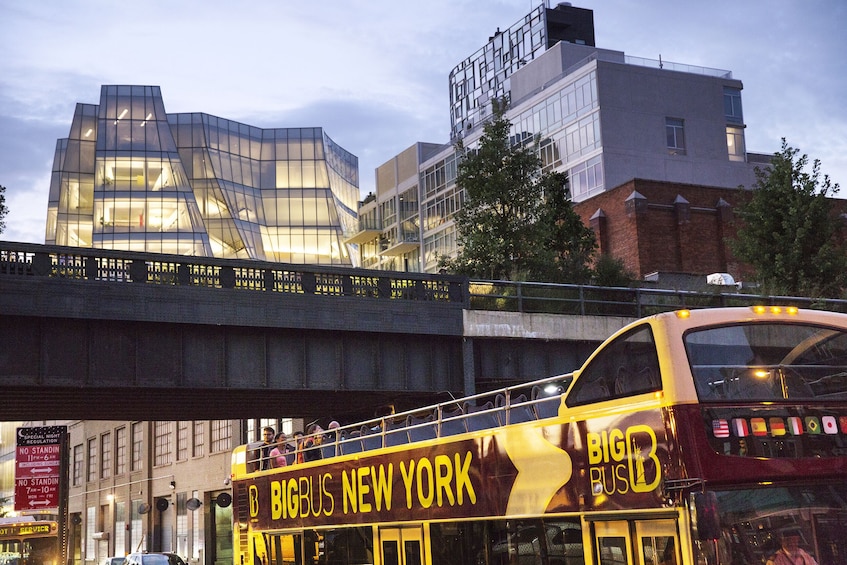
(132, 177)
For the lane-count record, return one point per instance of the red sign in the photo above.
(37, 493)
(38, 467)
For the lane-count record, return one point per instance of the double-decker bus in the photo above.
(688, 437)
(29, 540)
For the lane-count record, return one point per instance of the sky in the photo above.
(374, 73)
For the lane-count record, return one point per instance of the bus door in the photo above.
(402, 546)
(641, 542)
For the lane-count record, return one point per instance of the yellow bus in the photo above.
(28, 540)
(711, 436)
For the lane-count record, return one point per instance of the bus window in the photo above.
(658, 550)
(611, 542)
(459, 543)
(626, 367)
(402, 546)
(390, 552)
(764, 362)
(412, 552)
(279, 550)
(347, 545)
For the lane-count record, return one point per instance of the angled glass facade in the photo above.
(130, 176)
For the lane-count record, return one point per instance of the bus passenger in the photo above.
(268, 434)
(279, 451)
(312, 444)
(298, 447)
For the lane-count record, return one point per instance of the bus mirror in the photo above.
(704, 515)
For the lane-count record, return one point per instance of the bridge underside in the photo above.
(59, 368)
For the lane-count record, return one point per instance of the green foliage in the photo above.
(609, 271)
(515, 222)
(3, 208)
(570, 243)
(787, 230)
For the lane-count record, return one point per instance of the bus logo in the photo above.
(622, 461)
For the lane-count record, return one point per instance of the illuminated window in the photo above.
(735, 143)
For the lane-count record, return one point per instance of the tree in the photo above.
(567, 256)
(515, 222)
(609, 271)
(3, 209)
(787, 231)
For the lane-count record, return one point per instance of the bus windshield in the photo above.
(768, 361)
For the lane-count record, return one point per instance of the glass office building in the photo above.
(132, 177)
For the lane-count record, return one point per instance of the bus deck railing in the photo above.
(537, 400)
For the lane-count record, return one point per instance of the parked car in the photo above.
(160, 558)
(114, 561)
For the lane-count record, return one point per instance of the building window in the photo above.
(120, 451)
(90, 528)
(135, 535)
(732, 105)
(182, 430)
(92, 459)
(675, 132)
(120, 527)
(735, 144)
(162, 443)
(199, 438)
(137, 444)
(221, 434)
(587, 178)
(79, 458)
(106, 456)
(181, 523)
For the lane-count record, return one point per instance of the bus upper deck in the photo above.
(774, 357)
(709, 432)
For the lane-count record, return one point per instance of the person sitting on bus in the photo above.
(279, 451)
(790, 552)
(298, 447)
(311, 445)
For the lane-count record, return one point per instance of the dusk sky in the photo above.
(373, 73)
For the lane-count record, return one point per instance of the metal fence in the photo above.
(85, 264)
(583, 300)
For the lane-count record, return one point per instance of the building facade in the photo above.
(599, 115)
(154, 486)
(132, 177)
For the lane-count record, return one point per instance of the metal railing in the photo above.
(536, 400)
(584, 300)
(86, 264)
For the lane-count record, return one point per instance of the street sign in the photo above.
(38, 467)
